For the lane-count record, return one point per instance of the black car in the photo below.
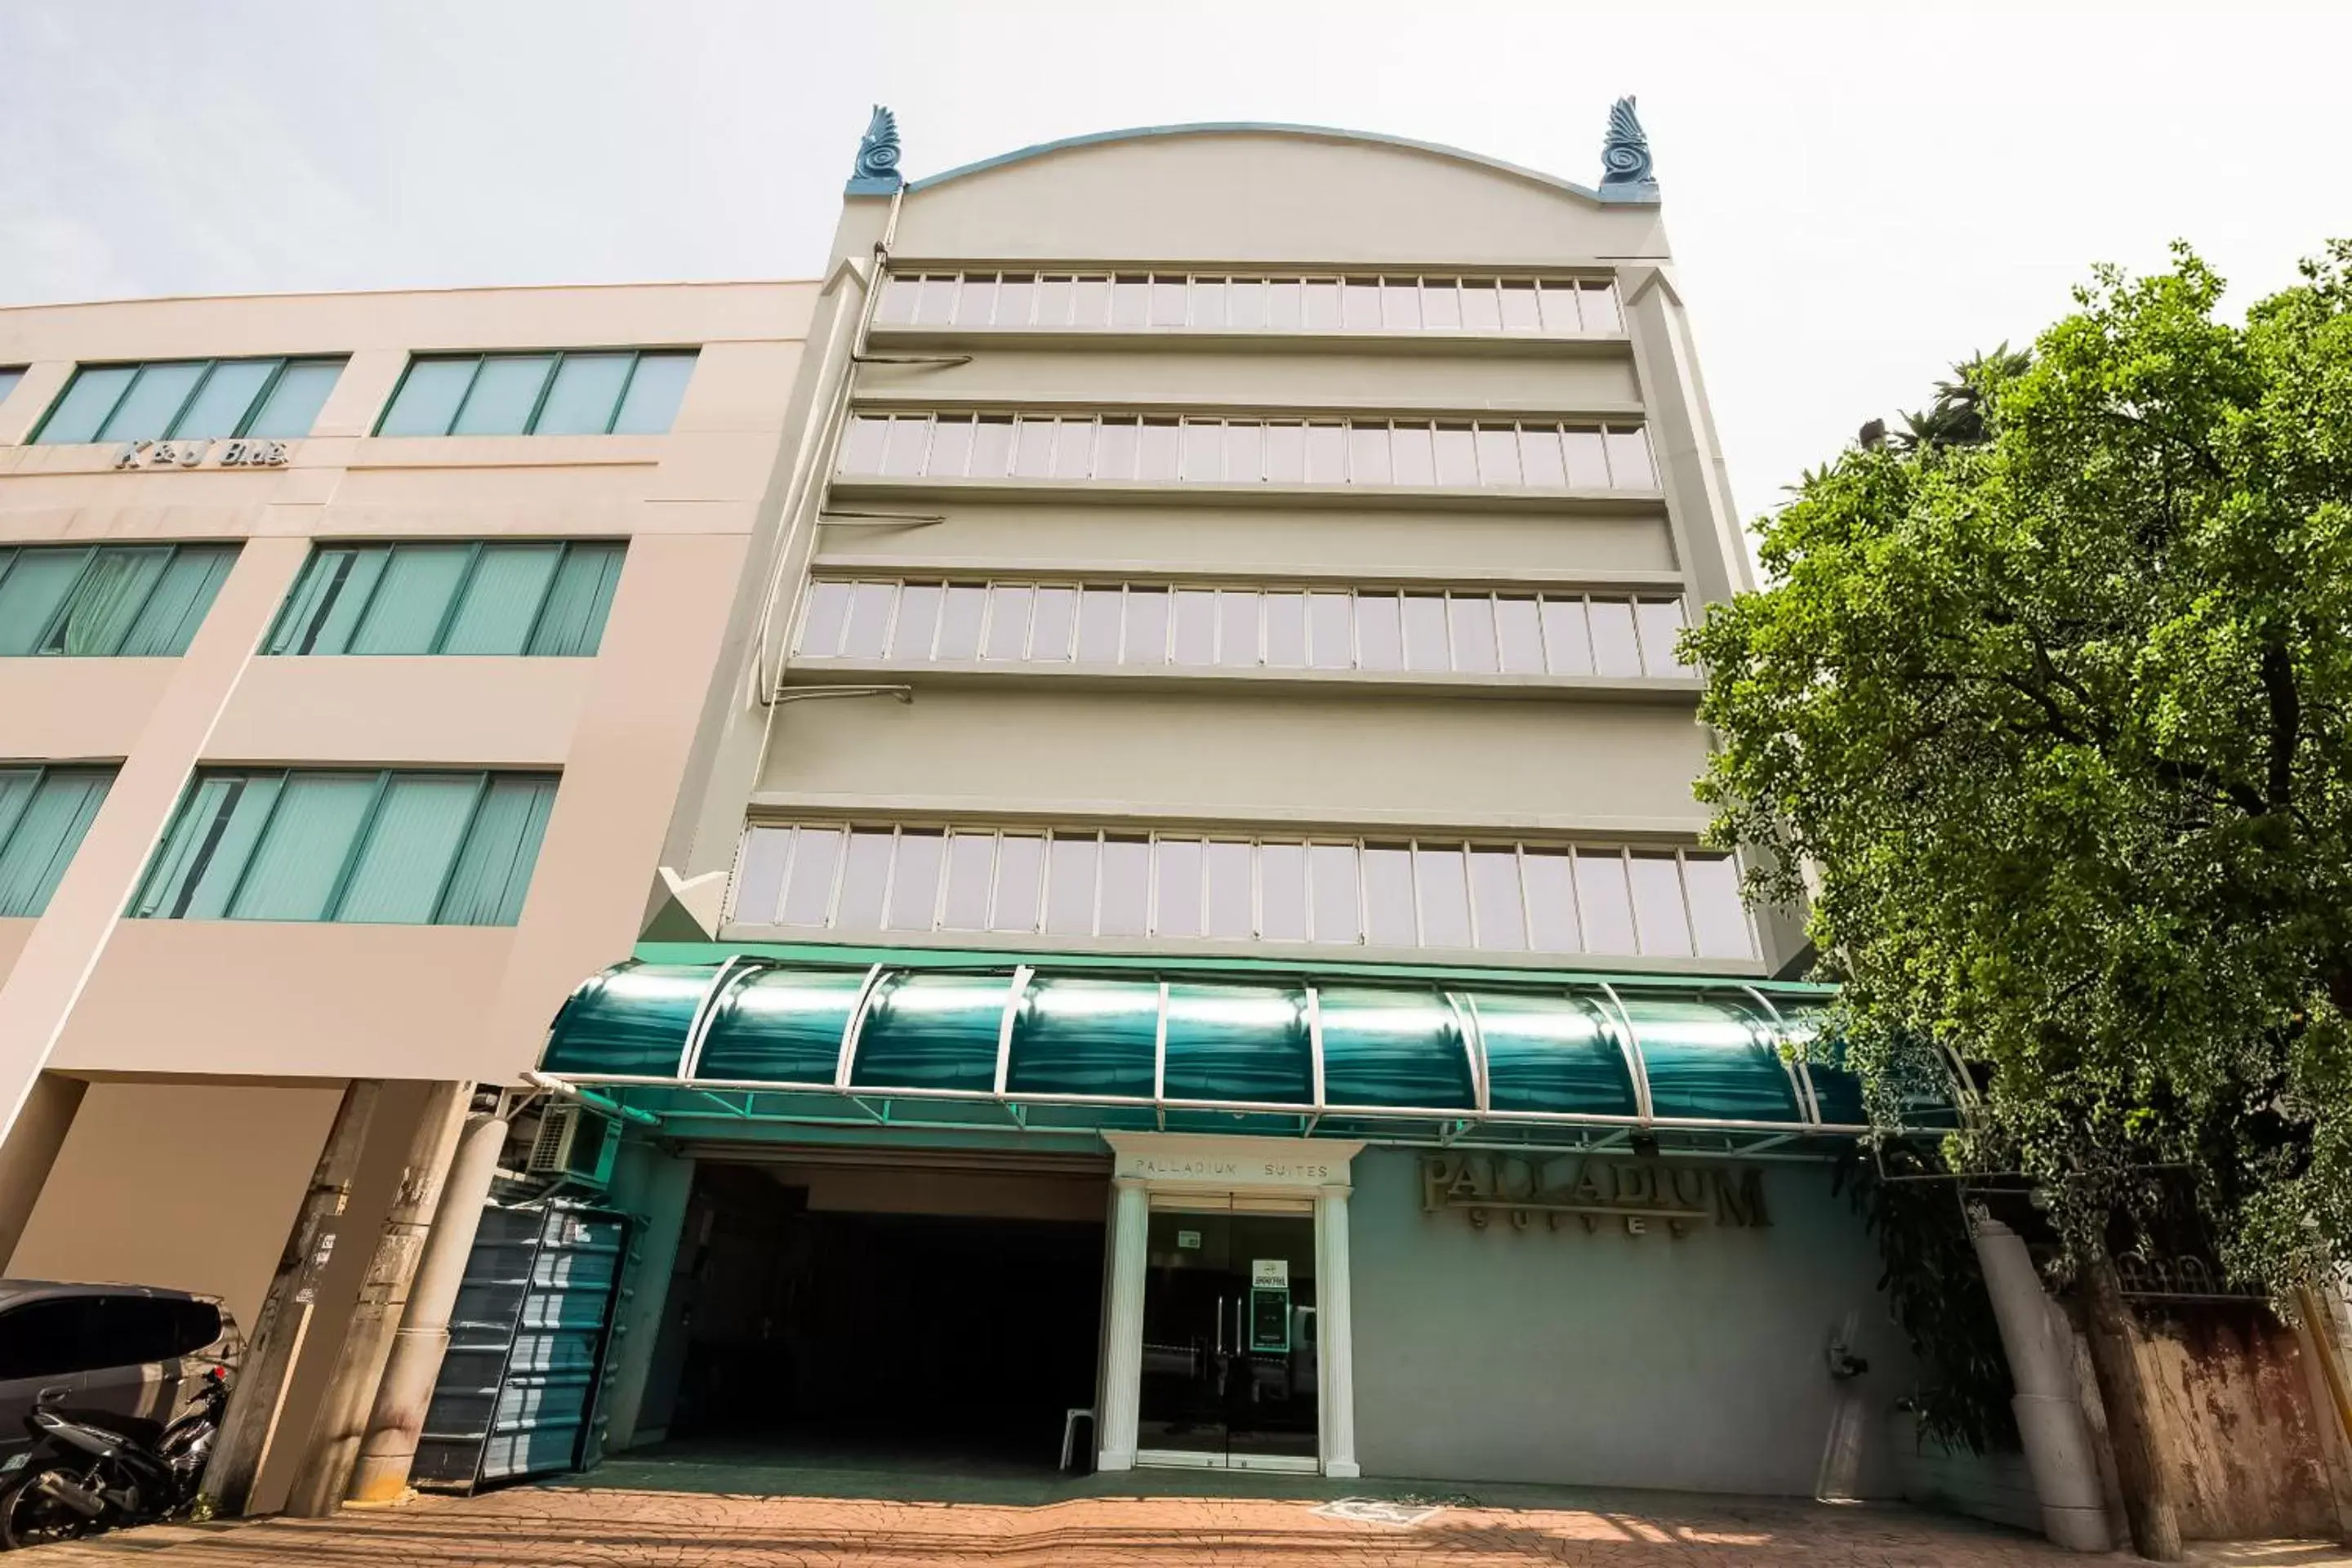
(125, 1350)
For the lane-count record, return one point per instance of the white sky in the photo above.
(1857, 194)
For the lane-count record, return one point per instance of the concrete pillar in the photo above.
(1123, 1376)
(30, 1149)
(326, 1469)
(274, 1344)
(381, 1472)
(1335, 1335)
(2049, 1417)
(653, 1187)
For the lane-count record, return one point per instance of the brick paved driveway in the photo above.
(552, 1527)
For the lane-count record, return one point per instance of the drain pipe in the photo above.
(2050, 1422)
(381, 1472)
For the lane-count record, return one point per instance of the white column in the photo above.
(406, 1393)
(1335, 1335)
(1123, 1368)
(2050, 1422)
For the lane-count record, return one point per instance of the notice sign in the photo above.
(1270, 1271)
(1188, 1241)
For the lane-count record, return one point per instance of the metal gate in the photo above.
(518, 1391)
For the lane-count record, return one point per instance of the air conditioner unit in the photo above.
(575, 1143)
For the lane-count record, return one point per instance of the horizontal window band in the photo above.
(1342, 894)
(1197, 626)
(1271, 299)
(1304, 955)
(883, 401)
(1285, 497)
(783, 807)
(1211, 340)
(1341, 684)
(1224, 574)
(1592, 269)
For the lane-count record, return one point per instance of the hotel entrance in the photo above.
(1229, 1370)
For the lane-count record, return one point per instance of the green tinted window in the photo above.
(524, 597)
(44, 813)
(191, 400)
(589, 391)
(394, 846)
(108, 600)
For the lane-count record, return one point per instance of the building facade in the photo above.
(1189, 933)
(351, 650)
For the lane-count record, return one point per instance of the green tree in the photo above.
(2053, 714)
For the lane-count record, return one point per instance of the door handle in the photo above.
(1221, 1325)
(51, 1395)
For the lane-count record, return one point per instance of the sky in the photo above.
(1857, 194)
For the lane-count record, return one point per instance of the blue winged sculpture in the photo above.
(1625, 153)
(875, 172)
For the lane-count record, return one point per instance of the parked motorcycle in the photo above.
(88, 1473)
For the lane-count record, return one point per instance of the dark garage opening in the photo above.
(825, 1336)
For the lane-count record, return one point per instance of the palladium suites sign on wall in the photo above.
(1589, 1191)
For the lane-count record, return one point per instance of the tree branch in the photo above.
(2286, 721)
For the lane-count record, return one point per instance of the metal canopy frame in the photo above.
(688, 1100)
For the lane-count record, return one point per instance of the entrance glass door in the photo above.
(1229, 1363)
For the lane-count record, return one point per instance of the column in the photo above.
(1123, 1367)
(1336, 1334)
(655, 1199)
(2050, 1422)
(381, 1473)
(343, 1420)
(28, 1150)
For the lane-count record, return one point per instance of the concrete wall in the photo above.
(1614, 1360)
(203, 1179)
(93, 994)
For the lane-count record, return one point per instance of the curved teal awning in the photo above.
(1029, 1046)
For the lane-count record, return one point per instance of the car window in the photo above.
(133, 1330)
(194, 1325)
(47, 1339)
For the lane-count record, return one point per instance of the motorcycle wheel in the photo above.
(31, 1518)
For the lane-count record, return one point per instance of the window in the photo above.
(105, 601)
(50, 1339)
(1462, 632)
(539, 598)
(1548, 307)
(580, 392)
(190, 400)
(70, 1334)
(1166, 450)
(10, 374)
(393, 847)
(1397, 893)
(44, 813)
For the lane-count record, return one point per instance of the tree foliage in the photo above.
(2049, 700)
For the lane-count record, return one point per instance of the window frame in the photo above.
(475, 550)
(485, 779)
(1465, 846)
(1357, 435)
(279, 365)
(1656, 663)
(637, 355)
(42, 772)
(92, 553)
(1593, 323)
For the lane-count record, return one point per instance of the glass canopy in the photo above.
(1021, 1046)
